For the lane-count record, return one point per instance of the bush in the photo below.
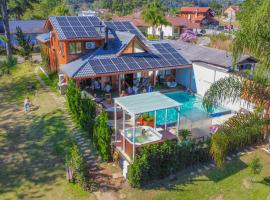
(236, 133)
(160, 160)
(7, 64)
(255, 165)
(82, 109)
(79, 169)
(102, 136)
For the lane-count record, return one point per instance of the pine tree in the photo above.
(25, 47)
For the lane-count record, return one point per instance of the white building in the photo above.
(209, 66)
(90, 13)
(177, 25)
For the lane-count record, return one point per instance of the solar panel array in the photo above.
(167, 57)
(70, 27)
(124, 26)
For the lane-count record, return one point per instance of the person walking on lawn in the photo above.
(26, 104)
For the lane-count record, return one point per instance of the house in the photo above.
(198, 15)
(92, 51)
(177, 25)
(88, 13)
(136, 19)
(30, 28)
(208, 66)
(230, 13)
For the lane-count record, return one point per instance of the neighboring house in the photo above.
(209, 65)
(177, 25)
(136, 19)
(230, 13)
(198, 15)
(30, 28)
(87, 49)
(88, 13)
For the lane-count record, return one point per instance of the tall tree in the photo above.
(25, 47)
(4, 13)
(17, 8)
(154, 15)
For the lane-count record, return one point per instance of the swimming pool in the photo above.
(191, 108)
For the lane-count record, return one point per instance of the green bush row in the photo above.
(160, 160)
(84, 111)
(79, 169)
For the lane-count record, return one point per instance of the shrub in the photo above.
(82, 109)
(102, 136)
(255, 165)
(184, 134)
(7, 64)
(160, 160)
(236, 133)
(79, 169)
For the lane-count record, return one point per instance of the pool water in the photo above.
(191, 108)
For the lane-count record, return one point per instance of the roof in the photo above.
(146, 102)
(110, 60)
(27, 26)
(181, 21)
(136, 21)
(217, 57)
(235, 8)
(44, 37)
(195, 9)
(77, 27)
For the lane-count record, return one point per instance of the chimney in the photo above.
(161, 34)
(106, 37)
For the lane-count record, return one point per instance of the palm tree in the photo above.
(4, 13)
(153, 14)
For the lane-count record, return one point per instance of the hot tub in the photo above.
(143, 135)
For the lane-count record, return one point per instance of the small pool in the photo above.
(143, 135)
(191, 108)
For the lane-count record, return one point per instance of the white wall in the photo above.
(168, 31)
(201, 80)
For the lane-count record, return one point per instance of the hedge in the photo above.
(80, 169)
(82, 109)
(236, 133)
(160, 160)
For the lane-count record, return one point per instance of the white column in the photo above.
(119, 83)
(155, 120)
(134, 121)
(124, 131)
(166, 116)
(178, 120)
(115, 123)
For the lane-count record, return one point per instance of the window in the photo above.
(90, 45)
(61, 47)
(74, 47)
(175, 30)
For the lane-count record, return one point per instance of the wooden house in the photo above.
(87, 49)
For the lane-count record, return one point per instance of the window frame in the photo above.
(77, 48)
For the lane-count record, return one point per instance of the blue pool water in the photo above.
(191, 108)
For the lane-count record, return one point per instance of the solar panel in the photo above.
(63, 21)
(134, 66)
(76, 27)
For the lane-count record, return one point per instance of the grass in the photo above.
(33, 145)
(235, 181)
(51, 81)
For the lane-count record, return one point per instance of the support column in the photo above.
(155, 77)
(166, 116)
(133, 133)
(77, 83)
(119, 84)
(115, 123)
(190, 77)
(124, 132)
(155, 120)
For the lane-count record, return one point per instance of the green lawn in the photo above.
(33, 145)
(234, 182)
